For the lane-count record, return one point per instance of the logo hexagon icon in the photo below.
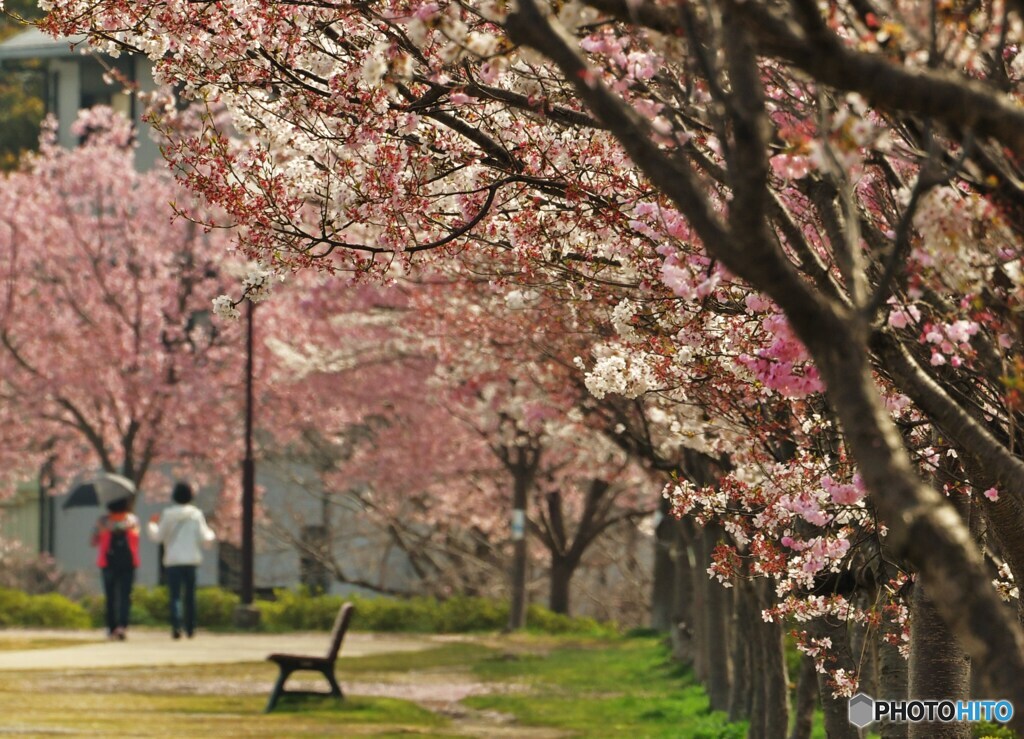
(861, 710)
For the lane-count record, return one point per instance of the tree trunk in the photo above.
(834, 710)
(806, 699)
(745, 662)
(684, 597)
(517, 609)
(716, 620)
(893, 679)
(766, 682)
(562, 569)
(835, 713)
(701, 586)
(663, 596)
(772, 677)
(522, 479)
(718, 646)
(938, 667)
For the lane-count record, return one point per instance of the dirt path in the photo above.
(150, 647)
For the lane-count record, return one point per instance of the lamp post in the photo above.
(246, 615)
(248, 467)
(46, 520)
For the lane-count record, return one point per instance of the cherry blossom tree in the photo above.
(833, 188)
(507, 360)
(357, 386)
(414, 369)
(108, 355)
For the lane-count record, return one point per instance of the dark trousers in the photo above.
(117, 587)
(181, 582)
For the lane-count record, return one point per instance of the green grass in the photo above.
(358, 709)
(211, 715)
(626, 687)
(456, 655)
(583, 686)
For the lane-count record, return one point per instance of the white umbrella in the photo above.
(104, 488)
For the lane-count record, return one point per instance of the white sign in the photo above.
(518, 524)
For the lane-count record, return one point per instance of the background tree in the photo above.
(356, 386)
(109, 357)
(506, 364)
(410, 372)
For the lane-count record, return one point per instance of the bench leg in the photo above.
(278, 690)
(335, 688)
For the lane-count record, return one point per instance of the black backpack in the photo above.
(119, 555)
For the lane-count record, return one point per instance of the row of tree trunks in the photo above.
(741, 659)
(721, 633)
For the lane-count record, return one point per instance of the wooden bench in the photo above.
(289, 663)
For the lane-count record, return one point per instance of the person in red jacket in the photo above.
(116, 537)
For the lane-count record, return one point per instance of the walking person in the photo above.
(116, 537)
(183, 531)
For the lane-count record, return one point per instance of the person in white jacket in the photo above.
(183, 531)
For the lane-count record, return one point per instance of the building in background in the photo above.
(75, 79)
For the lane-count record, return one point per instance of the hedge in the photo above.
(291, 610)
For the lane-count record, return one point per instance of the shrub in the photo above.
(54, 611)
(215, 607)
(300, 610)
(150, 606)
(541, 619)
(987, 730)
(12, 605)
(48, 610)
(464, 613)
(391, 614)
(94, 606)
